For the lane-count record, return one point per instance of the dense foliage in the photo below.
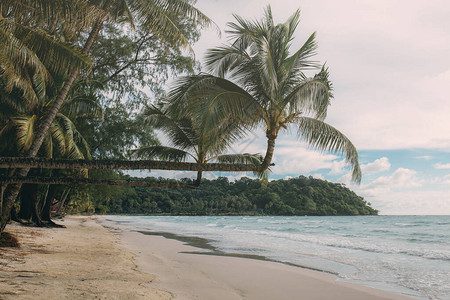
(296, 196)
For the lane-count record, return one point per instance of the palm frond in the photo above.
(77, 14)
(327, 138)
(178, 130)
(244, 158)
(161, 17)
(57, 133)
(83, 106)
(310, 95)
(222, 60)
(25, 131)
(217, 97)
(163, 153)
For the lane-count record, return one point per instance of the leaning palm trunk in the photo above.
(12, 191)
(269, 152)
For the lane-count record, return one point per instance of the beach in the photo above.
(87, 260)
(83, 261)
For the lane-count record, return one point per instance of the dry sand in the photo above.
(82, 261)
(88, 261)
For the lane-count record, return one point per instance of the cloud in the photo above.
(392, 194)
(296, 159)
(440, 166)
(444, 180)
(388, 94)
(401, 178)
(318, 176)
(425, 157)
(379, 165)
(413, 202)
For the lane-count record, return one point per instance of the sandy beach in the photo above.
(82, 261)
(88, 261)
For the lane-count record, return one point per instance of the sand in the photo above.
(82, 261)
(88, 261)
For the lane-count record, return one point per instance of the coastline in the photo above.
(188, 273)
(90, 261)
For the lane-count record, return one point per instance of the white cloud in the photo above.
(441, 166)
(413, 202)
(401, 192)
(379, 165)
(401, 178)
(444, 180)
(337, 167)
(425, 157)
(388, 94)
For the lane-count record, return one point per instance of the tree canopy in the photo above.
(295, 196)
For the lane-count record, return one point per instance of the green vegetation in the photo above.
(296, 196)
(86, 79)
(256, 80)
(45, 46)
(202, 138)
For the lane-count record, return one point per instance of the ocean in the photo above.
(409, 255)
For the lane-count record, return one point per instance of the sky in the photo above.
(390, 67)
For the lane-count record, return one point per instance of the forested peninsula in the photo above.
(295, 196)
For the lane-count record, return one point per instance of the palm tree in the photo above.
(201, 138)
(32, 45)
(159, 17)
(259, 81)
(17, 128)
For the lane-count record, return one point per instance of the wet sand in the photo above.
(181, 269)
(89, 261)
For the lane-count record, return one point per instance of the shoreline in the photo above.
(94, 258)
(181, 267)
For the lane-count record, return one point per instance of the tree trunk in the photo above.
(42, 201)
(46, 210)
(199, 178)
(1, 197)
(269, 152)
(62, 201)
(80, 164)
(87, 181)
(36, 213)
(43, 126)
(28, 196)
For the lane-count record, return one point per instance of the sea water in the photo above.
(403, 254)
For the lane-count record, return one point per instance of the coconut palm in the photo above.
(200, 138)
(63, 140)
(258, 80)
(32, 45)
(159, 17)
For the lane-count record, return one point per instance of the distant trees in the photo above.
(296, 196)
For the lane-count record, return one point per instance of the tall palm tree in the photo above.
(159, 17)
(258, 80)
(201, 138)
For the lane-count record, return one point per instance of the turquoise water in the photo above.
(403, 254)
